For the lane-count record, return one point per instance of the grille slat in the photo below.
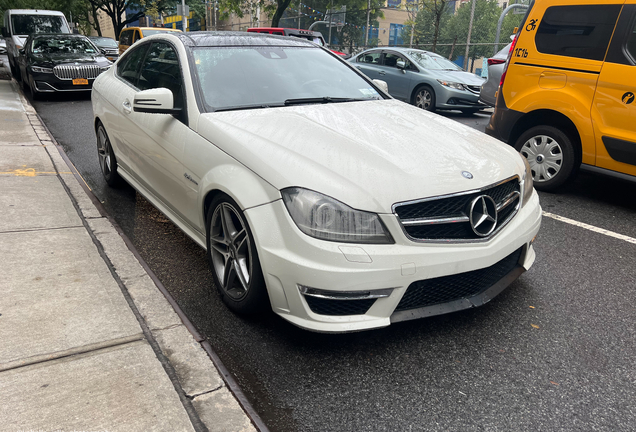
(445, 289)
(339, 307)
(69, 72)
(455, 207)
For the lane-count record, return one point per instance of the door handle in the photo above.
(382, 73)
(127, 107)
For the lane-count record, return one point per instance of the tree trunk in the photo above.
(96, 25)
(438, 18)
(280, 9)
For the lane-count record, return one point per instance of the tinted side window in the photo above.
(631, 42)
(372, 57)
(129, 68)
(125, 38)
(161, 69)
(577, 31)
(391, 59)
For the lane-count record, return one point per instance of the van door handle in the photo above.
(127, 107)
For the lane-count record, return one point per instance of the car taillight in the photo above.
(512, 48)
(494, 61)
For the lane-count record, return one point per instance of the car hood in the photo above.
(368, 155)
(461, 77)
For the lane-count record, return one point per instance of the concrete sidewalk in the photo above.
(87, 340)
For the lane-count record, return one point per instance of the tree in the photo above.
(437, 10)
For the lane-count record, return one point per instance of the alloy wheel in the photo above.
(230, 251)
(423, 99)
(104, 150)
(545, 156)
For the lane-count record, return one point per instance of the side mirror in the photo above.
(401, 64)
(155, 101)
(382, 84)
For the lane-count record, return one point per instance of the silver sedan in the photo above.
(422, 78)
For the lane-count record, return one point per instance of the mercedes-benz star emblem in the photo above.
(483, 215)
(467, 175)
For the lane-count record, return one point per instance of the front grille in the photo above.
(68, 72)
(447, 218)
(473, 88)
(445, 289)
(339, 307)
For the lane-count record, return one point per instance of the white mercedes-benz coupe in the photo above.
(311, 189)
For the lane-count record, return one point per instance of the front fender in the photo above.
(241, 184)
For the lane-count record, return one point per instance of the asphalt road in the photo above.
(555, 351)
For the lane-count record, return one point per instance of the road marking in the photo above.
(591, 227)
(29, 172)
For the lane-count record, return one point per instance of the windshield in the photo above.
(154, 32)
(29, 24)
(254, 77)
(433, 62)
(63, 46)
(105, 42)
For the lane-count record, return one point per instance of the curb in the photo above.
(205, 389)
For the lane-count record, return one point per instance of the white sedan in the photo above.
(311, 189)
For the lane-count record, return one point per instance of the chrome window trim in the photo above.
(500, 225)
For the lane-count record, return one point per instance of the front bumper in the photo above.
(48, 83)
(293, 261)
(452, 99)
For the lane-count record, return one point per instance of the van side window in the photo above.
(577, 31)
(631, 43)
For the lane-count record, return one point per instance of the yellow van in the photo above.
(130, 35)
(566, 97)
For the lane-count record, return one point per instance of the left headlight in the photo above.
(450, 84)
(38, 69)
(324, 218)
(527, 182)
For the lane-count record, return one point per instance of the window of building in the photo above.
(395, 35)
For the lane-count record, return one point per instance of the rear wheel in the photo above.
(424, 97)
(107, 159)
(232, 256)
(551, 156)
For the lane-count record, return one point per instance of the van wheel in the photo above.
(233, 258)
(550, 154)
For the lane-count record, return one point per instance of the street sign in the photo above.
(179, 10)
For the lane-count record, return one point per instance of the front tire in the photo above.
(107, 159)
(233, 259)
(424, 97)
(551, 156)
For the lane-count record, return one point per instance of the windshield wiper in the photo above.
(324, 99)
(245, 107)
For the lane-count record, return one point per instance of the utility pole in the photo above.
(470, 30)
(184, 20)
(330, 23)
(366, 36)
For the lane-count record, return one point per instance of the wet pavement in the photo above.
(553, 352)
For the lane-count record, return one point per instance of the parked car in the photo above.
(567, 97)
(108, 46)
(60, 63)
(314, 36)
(312, 191)
(20, 23)
(130, 35)
(424, 79)
(487, 94)
(3, 46)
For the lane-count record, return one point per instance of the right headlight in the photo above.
(324, 218)
(527, 181)
(38, 69)
(450, 84)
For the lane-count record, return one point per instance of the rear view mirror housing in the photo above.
(155, 101)
(401, 64)
(382, 84)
